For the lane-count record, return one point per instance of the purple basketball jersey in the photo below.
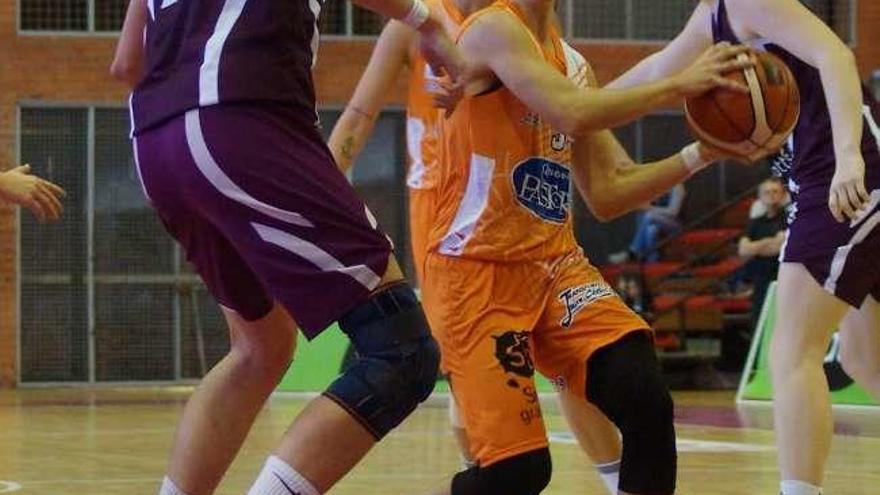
(809, 163)
(203, 52)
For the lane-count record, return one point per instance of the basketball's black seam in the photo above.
(788, 83)
(744, 136)
(786, 74)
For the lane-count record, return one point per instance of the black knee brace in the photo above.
(524, 474)
(625, 382)
(397, 360)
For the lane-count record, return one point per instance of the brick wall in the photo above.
(74, 69)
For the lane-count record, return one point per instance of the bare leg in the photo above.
(596, 434)
(802, 409)
(460, 434)
(223, 407)
(860, 346)
(325, 442)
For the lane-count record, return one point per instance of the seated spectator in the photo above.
(659, 219)
(763, 240)
(631, 288)
(759, 209)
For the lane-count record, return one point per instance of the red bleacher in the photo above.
(687, 285)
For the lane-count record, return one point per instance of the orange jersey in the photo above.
(504, 191)
(422, 138)
(422, 118)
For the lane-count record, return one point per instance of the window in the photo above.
(657, 20)
(649, 20)
(652, 138)
(104, 293)
(379, 177)
(54, 319)
(338, 17)
(71, 15)
(341, 17)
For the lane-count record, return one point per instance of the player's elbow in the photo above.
(586, 124)
(836, 57)
(126, 72)
(605, 210)
(568, 124)
(579, 118)
(589, 113)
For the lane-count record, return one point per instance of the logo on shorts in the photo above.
(580, 296)
(542, 187)
(513, 352)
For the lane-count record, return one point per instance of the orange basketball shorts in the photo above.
(499, 322)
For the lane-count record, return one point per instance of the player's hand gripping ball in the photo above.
(748, 126)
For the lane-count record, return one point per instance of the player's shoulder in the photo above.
(578, 68)
(494, 24)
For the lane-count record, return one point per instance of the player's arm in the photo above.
(693, 40)
(497, 42)
(612, 184)
(40, 196)
(435, 45)
(792, 26)
(128, 61)
(384, 68)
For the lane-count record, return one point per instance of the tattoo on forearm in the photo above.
(348, 148)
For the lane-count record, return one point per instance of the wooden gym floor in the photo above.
(115, 441)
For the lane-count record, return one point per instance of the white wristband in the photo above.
(417, 15)
(694, 161)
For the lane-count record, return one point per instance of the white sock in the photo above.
(278, 478)
(794, 487)
(610, 474)
(169, 488)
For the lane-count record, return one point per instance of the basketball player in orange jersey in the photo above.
(505, 285)
(396, 51)
(830, 270)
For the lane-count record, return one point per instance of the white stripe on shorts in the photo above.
(842, 253)
(317, 256)
(215, 175)
(137, 168)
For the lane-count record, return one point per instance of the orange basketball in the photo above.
(752, 124)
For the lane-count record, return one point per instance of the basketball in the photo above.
(749, 125)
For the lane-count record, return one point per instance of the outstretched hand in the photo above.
(707, 72)
(446, 94)
(439, 51)
(40, 196)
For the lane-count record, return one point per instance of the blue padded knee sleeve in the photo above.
(397, 360)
